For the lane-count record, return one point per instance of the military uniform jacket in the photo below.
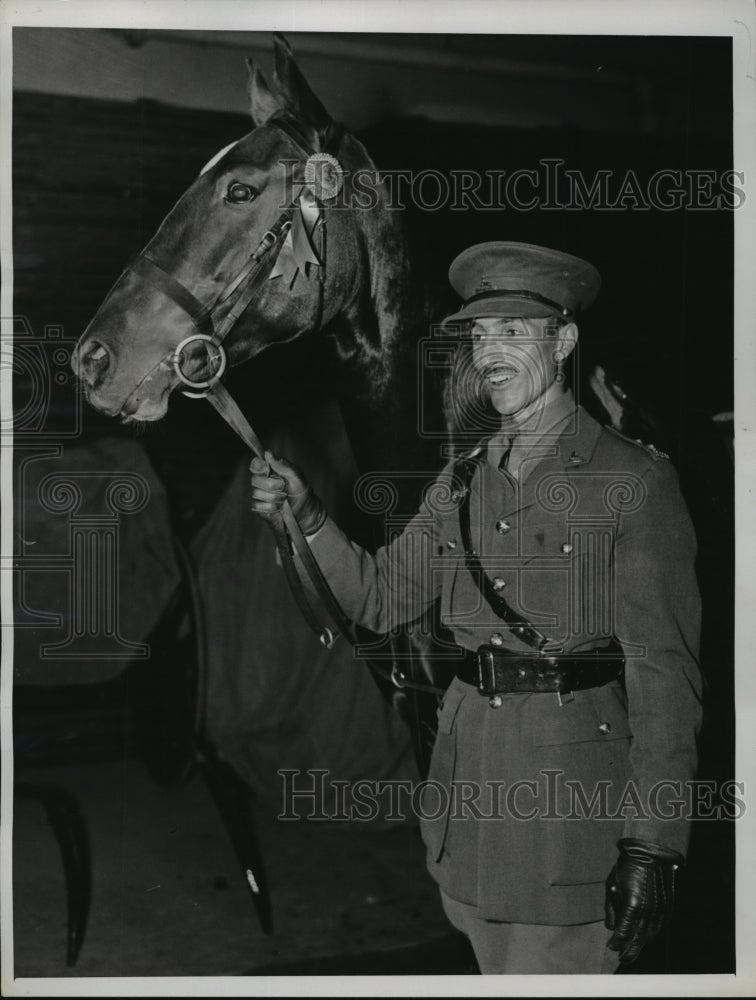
(525, 802)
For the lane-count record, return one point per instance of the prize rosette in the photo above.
(324, 176)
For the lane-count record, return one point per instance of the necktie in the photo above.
(504, 460)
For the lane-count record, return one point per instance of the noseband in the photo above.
(239, 292)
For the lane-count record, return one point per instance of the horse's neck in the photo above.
(384, 324)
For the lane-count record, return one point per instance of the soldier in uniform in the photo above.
(563, 555)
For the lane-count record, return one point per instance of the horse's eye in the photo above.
(238, 192)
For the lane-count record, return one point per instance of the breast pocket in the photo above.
(434, 803)
(566, 580)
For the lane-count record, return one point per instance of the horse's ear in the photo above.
(263, 103)
(294, 89)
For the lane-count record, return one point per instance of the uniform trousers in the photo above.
(533, 949)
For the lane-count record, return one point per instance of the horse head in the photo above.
(263, 246)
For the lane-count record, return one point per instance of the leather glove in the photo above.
(271, 488)
(640, 894)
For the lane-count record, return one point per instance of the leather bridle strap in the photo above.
(253, 272)
(248, 280)
(155, 275)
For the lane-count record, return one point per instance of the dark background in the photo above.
(93, 177)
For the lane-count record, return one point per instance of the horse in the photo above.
(362, 290)
(285, 231)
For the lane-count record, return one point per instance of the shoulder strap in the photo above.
(464, 472)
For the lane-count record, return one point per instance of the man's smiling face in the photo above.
(516, 358)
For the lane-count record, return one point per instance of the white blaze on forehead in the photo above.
(218, 156)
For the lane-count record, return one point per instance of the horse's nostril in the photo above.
(92, 362)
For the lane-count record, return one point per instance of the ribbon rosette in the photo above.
(322, 182)
(297, 250)
(324, 176)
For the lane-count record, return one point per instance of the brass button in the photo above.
(497, 639)
(605, 727)
(503, 526)
(499, 583)
(452, 543)
(495, 701)
(566, 548)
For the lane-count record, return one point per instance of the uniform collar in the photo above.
(568, 453)
(557, 406)
(578, 443)
(537, 436)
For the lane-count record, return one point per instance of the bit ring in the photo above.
(203, 384)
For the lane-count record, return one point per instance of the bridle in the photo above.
(212, 330)
(234, 298)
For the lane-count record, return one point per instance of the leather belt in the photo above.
(495, 671)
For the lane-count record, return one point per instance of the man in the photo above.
(563, 557)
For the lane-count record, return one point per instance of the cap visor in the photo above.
(507, 308)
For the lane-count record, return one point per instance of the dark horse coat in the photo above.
(525, 802)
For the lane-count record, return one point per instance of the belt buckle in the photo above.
(486, 672)
(550, 652)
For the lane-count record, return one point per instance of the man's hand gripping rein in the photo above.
(275, 482)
